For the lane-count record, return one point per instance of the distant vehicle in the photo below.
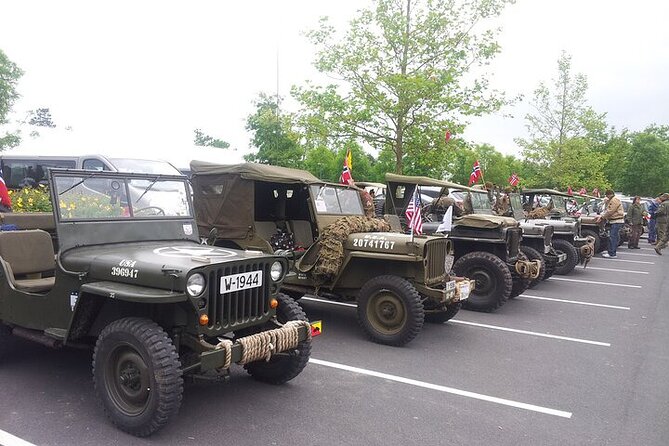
(25, 170)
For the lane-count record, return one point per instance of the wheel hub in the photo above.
(386, 313)
(127, 379)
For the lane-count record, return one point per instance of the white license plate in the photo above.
(450, 285)
(242, 281)
(464, 291)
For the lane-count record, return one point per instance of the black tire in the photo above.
(390, 310)
(137, 375)
(568, 265)
(295, 295)
(492, 276)
(519, 284)
(284, 366)
(443, 316)
(533, 254)
(598, 240)
(5, 340)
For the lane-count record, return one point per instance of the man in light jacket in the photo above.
(615, 215)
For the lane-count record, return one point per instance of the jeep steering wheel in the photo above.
(158, 211)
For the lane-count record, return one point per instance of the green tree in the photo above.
(10, 74)
(405, 73)
(644, 171)
(559, 114)
(567, 137)
(273, 135)
(203, 140)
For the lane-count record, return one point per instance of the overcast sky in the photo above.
(143, 74)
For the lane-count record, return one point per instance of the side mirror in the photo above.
(213, 235)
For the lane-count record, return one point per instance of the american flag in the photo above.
(413, 214)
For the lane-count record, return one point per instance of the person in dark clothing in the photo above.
(635, 215)
(652, 230)
(662, 217)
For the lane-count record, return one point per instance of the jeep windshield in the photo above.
(516, 206)
(480, 203)
(99, 196)
(330, 199)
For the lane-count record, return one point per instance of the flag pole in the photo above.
(413, 200)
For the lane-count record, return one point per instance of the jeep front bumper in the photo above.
(528, 269)
(256, 347)
(586, 249)
(455, 290)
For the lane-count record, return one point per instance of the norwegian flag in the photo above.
(583, 191)
(447, 135)
(346, 177)
(514, 180)
(476, 173)
(569, 191)
(4, 194)
(413, 214)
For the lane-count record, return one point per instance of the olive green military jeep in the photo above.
(335, 251)
(487, 247)
(131, 279)
(583, 233)
(537, 240)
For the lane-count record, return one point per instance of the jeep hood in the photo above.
(148, 263)
(485, 221)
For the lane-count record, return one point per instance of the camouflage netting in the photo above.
(332, 241)
(541, 212)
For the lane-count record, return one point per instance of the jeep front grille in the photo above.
(237, 307)
(513, 241)
(435, 260)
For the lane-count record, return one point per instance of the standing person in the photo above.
(615, 215)
(662, 223)
(652, 231)
(635, 215)
(5, 200)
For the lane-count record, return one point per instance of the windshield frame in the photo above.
(317, 190)
(122, 200)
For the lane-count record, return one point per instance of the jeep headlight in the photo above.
(276, 271)
(195, 285)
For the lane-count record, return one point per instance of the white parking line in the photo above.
(618, 270)
(493, 327)
(594, 282)
(623, 260)
(7, 439)
(636, 254)
(451, 390)
(532, 333)
(615, 307)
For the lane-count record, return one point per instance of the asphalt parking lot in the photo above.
(578, 360)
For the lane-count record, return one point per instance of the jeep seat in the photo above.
(302, 232)
(28, 256)
(265, 229)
